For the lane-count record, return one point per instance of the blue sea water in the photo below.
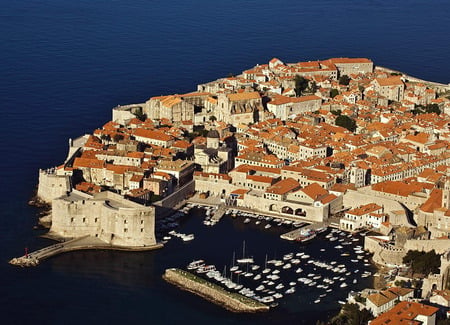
(65, 64)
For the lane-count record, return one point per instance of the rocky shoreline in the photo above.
(231, 301)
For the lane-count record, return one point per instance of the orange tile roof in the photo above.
(284, 186)
(434, 201)
(404, 313)
(244, 96)
(88, 163)
(157, 135)
(314, 191)
(364, 209)
(390, 81)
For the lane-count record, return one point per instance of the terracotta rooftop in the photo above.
(284, 186)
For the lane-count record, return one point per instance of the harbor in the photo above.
(322, 270)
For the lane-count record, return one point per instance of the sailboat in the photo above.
(266, 270)
(244, 259)
(233, 267)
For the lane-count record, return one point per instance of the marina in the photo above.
(313, 271)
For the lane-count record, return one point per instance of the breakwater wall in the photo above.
(212, 292)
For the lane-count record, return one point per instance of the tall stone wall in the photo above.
(384, 253)
(440, 246)
(52, 186)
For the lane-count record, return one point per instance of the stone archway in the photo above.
(287, 210)
(273, 207)
(299, 212)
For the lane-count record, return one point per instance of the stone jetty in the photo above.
(234, 302)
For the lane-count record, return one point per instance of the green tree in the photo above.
(212, 118)
(346, 122)
(423, 262)
(351, 315)
(344, 80)
(301, 84)
(430, 108)
(334, 93)
(336, 112)
(117, 137)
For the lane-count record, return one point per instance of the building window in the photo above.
(96, 220)
(125, 229)
(142, 229)
(84, 219)
(71, 219)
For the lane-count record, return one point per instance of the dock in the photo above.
(293, 234)
(219, 213)
(81, 243)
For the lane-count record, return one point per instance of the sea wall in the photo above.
(384, 253)
(231, 301)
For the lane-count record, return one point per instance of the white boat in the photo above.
(279, 286)
(287, 257)
(287, 266)
(277, 295)
(317, 301)
(290, 290)
(257, 277)
(247, 220)
(167, 237)
(244, 260)
(299, 270)
(267, 299)
(255, 267)
(343, 285)
(206, 268)
(260, 288)
(195, 264)
(188, 237)
(267, 226)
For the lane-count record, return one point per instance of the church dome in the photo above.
(213, 134)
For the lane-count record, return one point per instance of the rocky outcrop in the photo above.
(231, 301)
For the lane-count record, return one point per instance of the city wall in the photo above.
(52, 186)
(384, 253)
(440, 246)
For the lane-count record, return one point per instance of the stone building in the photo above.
(392, 88)
(107, 216)
(239, 107)
(173, 108)
(213, 157)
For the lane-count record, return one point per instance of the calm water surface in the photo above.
(65, 64)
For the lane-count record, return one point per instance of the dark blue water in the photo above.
(64, 64)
